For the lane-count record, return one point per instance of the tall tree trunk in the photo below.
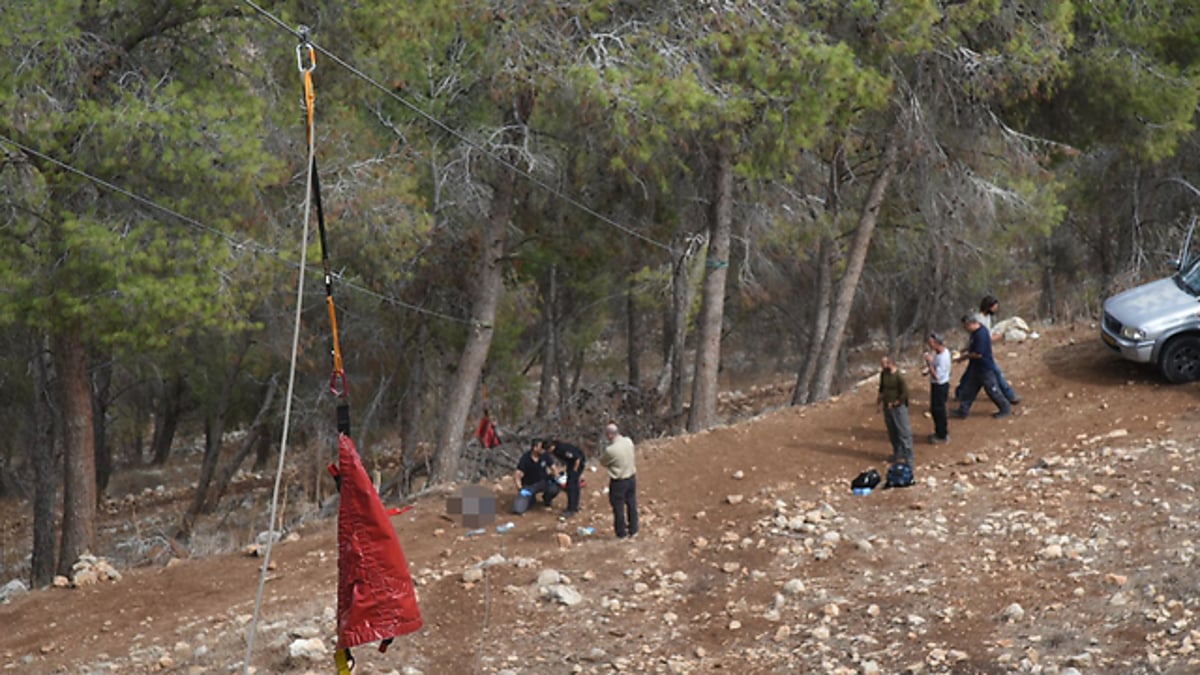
(681, 302)
(550, 343)
(411, 412)
(802, 394)
(43, 454)
(214, 432)
(826, 248)
(79, 460)
(166, 418)
(848, 284)
(633, 337)
(101, 389)
(258, 434)
(712, 312)
(488, 286)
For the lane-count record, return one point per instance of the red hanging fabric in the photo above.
(486, 433)
(376, 598)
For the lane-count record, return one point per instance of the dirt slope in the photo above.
(1061, 538)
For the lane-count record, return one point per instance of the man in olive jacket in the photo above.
(622, 485)
(893, 401)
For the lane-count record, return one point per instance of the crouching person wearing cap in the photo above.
(533, 476)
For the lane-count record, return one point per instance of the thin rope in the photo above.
(487, 612)
(287, 411)
(464, 138)
(235, 243)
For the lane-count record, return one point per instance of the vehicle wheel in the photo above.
(1180, 360)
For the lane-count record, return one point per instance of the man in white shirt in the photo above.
(937, 364)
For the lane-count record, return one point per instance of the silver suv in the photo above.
(1159, 322)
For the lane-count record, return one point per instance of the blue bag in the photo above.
(899, 475)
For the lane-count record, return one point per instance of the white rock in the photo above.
(472, 575)
(564, 594)
(548, 577)
(739, 474)
(820, 633)
(735, 499)
(12, 589)
(1014, 612)
(793, 587)
(1051, 552)
(308, 649)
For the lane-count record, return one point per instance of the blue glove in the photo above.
(526, 493)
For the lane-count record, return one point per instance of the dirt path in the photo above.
(903, 577)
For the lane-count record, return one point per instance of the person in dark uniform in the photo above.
(573, 460)
(987, 314)
(981, 371)
(533, 476)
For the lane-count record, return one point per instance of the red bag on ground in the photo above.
(376, 598)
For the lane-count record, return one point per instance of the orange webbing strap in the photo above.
(306, 61)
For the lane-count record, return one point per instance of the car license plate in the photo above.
(1112, 341)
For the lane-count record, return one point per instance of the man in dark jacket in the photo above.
(981, 371)
(574, 460)
(533, 476)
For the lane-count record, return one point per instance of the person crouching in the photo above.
(532, 477)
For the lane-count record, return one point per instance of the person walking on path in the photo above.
(981, 371)
(574, 461)
(622, 485)
(937, 365)
(893, 402)
(988, 307)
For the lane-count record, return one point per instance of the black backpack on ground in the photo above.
(866, 479)
(899, 475)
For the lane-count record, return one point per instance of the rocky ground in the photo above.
(1060, 540)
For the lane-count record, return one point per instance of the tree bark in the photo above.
(708, 349)
(166, 418)
(214, 432)
(549, 344)
(802, 394)
(101, 390)
(411, 412)
(676, 327)
(488, 287)
(79, 461)
(848, 284)
(257, 434)
(43, 454)
(633, 339)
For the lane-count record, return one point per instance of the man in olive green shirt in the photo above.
(893, 401)
(622, 485)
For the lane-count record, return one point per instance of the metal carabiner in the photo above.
(300, 49)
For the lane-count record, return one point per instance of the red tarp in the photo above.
(486, 433)
(376, 599)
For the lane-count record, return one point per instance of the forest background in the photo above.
(575, 209)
